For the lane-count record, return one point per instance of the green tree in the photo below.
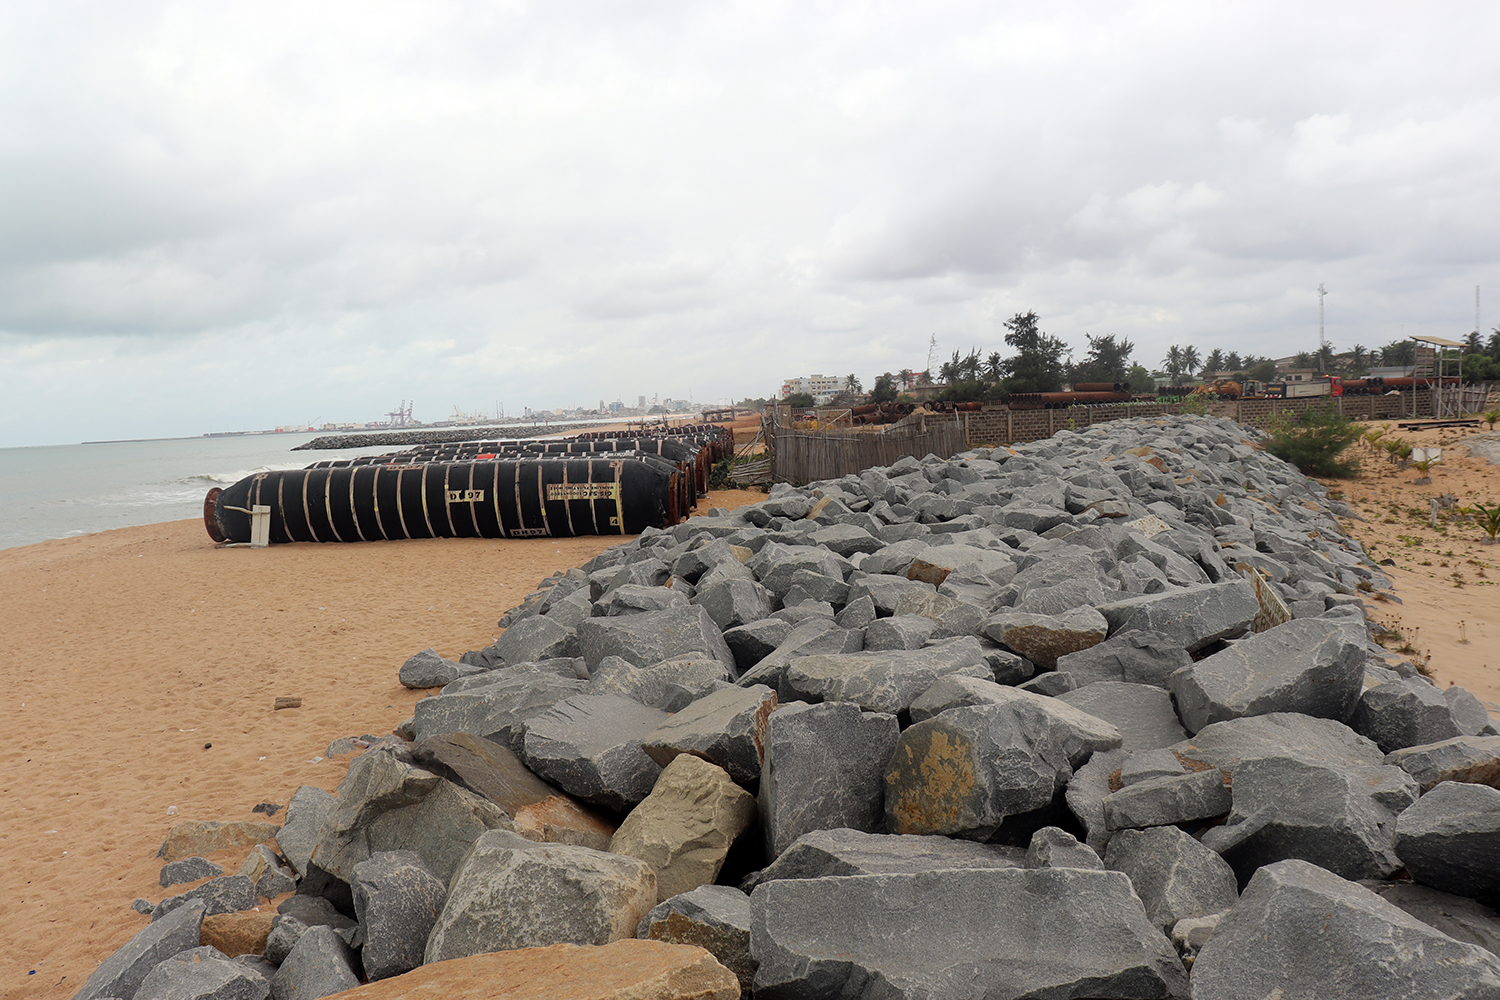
(1357, 356)
(799, 401)
(885, 388)
(1173, 364)
(907, 377)
(1472, 343)
(1263, 370)
(1190, 359)
(1232, 362)
(1214, 362)
(1302, 360)
(1140, 379)
(1399, 352)
(1040, 363)
(1480, 368)
(1107, 360)
(1493, 347)
(1315, 442)
(852, 384)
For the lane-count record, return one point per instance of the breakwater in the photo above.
(437, 435)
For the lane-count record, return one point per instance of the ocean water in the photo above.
(65, 490)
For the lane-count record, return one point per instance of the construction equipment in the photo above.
(1227, 388)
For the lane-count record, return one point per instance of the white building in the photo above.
(821, 388)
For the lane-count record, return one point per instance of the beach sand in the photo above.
(141, 665)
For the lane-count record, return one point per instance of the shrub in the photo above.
(1315, 442)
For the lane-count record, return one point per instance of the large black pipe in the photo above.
(500, 498)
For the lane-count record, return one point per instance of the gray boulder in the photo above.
(652, 637)
(195, 976)
(386, 804)
(1309, 666)
(305, 815)
(225, 894)
(396, 900)
(1343, 820)
(495, 711)
(121, 974)
(1459, 918)
(1142, 713)
(1189, 617)
(429, 670)
(320, 964)
(1450, 839)
(727, 728)
(1163, 801)
(1404, 713)
(1474, 759)
(715, 918)
(901, 632)
(633, 599)
(1469, 713)
(734, 602)
(590, 747)
(823, 770)
(534, 638)
(669, 685)
(1133, 657)
(1302, 933)
(1175, 876)
(853, 852)
(885, 681)
(962, 771)
(1086, 791)
(1044, 638)
(513, 893)
(754, 641)
(885, 590)
(1047, 932)
(1053, 847)
(185, 870)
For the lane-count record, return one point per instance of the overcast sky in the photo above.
(219, 216)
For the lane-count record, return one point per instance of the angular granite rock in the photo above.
(120, 974)
(1133, 657)
(194, 976)
(727, 728)
(685, 827)
(1300, 932)
(396, 900)
(590, 746)
(1474, 759)
(1044, 638)
(1189, 617)
(713, 917)
(1310, 666)
(429, 670)
(1163, 801)
(513, 893)
(309, 809)
(854, 852)
(319, 965)
(496, 711)
(1053, 847)
(1450, 839)
(1175, 876)
(884, 681)
(670, 685)
(537, 810)
(1404, 713)
(1143, 713)
(823, 768)
(980, 933)
(652, 637)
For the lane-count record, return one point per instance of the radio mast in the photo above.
(1322, 343)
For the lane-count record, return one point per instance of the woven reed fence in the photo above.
(806, 456)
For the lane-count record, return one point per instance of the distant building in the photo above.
(821, 388)
(640, 403)
(1299, 375)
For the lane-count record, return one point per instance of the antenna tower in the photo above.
(1322, 343)
(931, 353)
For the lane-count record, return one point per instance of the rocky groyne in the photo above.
(1099, 716)
(439, 435)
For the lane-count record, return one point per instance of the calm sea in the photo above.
(76, 489)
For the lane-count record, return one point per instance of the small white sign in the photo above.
(1427, 454)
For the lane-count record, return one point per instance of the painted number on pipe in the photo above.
(466, 496)
(583, 491)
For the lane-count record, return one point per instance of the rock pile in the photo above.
(1098, 716)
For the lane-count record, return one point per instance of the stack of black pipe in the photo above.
(479, 489)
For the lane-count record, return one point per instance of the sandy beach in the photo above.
(141, 667)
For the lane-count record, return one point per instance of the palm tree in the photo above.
(1357, 355)
(906, 376)
(1190, 359)
(851, 384)
(1173, 362)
